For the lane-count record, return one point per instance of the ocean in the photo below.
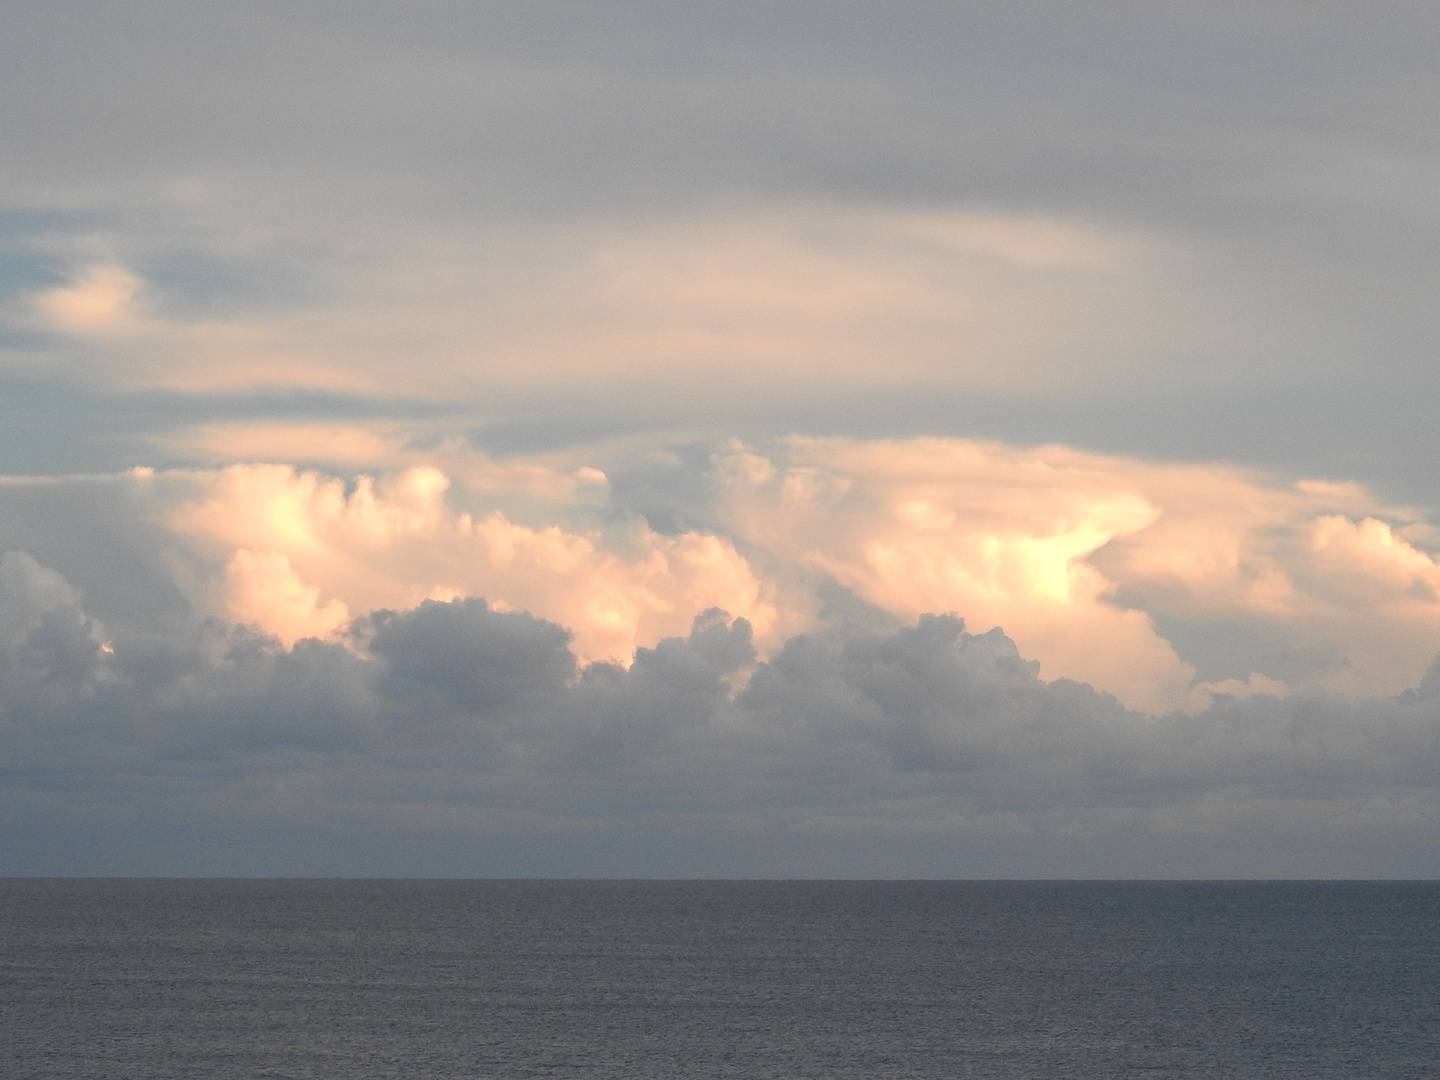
(219, 979)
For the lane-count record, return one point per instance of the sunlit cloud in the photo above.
(375, 374)
(781, 299)
(1075, 554)
(100, 304)
(1086, 561)
(380, 446)
(300, 549)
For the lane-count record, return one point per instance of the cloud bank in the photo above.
(797, 667)
(453, 738)
(386, 390)
(1158, 583)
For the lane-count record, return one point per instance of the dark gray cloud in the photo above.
(456, 739)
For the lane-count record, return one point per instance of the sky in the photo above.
(719, 440)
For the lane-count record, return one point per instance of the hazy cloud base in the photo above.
(452, 739)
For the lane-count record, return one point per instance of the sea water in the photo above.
(134, 980)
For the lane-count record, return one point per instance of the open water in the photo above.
(134, 980)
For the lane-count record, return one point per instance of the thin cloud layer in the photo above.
(769, 300)
(1198, 232)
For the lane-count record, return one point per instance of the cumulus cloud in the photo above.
(452, 724)
(300, 551)
(793, 221)
(1163, 584)
(296, 553)
(1077, 555)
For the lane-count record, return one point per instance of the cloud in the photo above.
(1077, 555)
(1164, 584)
(827, 203)
(101, 303)
(805, 227)
(300, 550)
(1171, 231)
(773, 298)
(458, 727)
(262, 589)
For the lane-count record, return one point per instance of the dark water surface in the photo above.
(365, 979)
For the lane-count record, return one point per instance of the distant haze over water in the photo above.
(429, 979)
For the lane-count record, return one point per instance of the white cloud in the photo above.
(313, 549)
(262, 589)
(1074, 554)
(1087, 561)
